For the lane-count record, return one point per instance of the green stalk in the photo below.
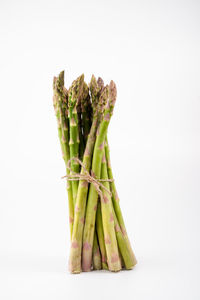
(100, 233)
(79, 217)
(60, 107)
(113, 259)
(96, 256)
(124, 248)
(74, 94)
(80, 131)
(88, 235)
(99, 224)
(123, 241)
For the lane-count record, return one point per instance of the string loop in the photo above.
(90, 178)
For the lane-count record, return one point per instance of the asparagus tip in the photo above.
(61, 77)
(112, 92)
(100, 83)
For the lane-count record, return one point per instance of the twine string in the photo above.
(90, 178)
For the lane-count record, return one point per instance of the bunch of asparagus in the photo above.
(98, 235)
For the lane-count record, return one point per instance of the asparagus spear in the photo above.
(80, 130)
(74, 94)
(84, 110)
(99, 224)
(96, 171)
(76, 245)
(60, 107)
(113, 260)
(123, 244)
(123, 241)
(100, 233)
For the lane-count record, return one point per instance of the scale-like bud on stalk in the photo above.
(96, 255)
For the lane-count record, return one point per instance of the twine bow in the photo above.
(86, 176)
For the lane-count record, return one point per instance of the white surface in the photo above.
(151, 50)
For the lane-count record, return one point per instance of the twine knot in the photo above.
(90, 178)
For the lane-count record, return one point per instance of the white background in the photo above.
(151, 49)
